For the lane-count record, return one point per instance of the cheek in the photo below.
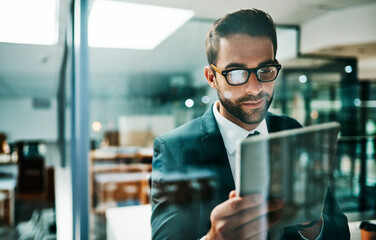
(269, 88)
(227, 94)
(232, 93)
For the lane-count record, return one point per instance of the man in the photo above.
(193, 186)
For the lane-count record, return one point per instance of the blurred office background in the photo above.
(77, 122)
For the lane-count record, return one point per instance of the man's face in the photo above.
(247, 104)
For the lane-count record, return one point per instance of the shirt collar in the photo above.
(232, 133)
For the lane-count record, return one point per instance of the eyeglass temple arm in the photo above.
(216, 69)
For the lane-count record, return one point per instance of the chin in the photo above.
(250, 118)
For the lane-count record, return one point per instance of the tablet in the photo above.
(293, 165)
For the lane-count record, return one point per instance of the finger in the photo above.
(245, 217)
(236, 204)
(232, 194)
(258, 218)
(261, 236)
(251, 214)
(275, 208)
(275, 205)
(274, 217)
(251, 229)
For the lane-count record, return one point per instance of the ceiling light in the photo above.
(189, 103)
(97, 126)
(348, 69)
(303, 78)
(28, 22)
(115, 24)
(357, 102)
(205, 99)
(370, 127)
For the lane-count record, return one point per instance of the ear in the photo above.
(210, 77)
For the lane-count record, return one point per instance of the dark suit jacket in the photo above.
(191, 175)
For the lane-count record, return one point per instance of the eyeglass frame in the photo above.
(249, 70)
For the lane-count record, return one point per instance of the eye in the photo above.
(237, 76)
(266, 70)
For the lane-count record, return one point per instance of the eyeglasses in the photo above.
(237, 77)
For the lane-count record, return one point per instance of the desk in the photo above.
(129, 223)
(7, 187)
(114, 188)
(123, 155)
(118, 176)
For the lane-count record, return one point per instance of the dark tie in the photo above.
(253, 134)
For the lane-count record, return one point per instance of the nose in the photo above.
(253, 86)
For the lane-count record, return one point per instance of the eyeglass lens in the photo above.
(240, 76)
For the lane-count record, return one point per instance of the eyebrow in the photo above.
(242, 65)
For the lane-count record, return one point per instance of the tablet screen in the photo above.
(294, 166)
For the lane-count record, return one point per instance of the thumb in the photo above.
(232, 194)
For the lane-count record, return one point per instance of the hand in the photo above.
(245, 217)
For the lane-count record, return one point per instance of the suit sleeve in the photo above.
(173, 211)
(336, 224)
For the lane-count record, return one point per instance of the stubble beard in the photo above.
(253, 116)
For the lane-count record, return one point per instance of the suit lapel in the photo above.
(273, 124)
(216, 151)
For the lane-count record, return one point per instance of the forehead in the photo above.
(244, 49)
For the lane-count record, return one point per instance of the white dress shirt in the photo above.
(232, 134)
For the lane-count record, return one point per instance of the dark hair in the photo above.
(252, 22)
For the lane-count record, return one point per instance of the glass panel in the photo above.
(323, 93)
(29, 152)
(30, 156)
(136, 95)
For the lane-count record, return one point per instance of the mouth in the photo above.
(253, 104)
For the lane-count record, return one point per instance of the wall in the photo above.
(20, 121)
(348, 26)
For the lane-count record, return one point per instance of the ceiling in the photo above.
(292, 12)
(32, 71)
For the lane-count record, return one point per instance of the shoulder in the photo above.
(281, 122)
(174, 149)
(194, 129)
(191, 129)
